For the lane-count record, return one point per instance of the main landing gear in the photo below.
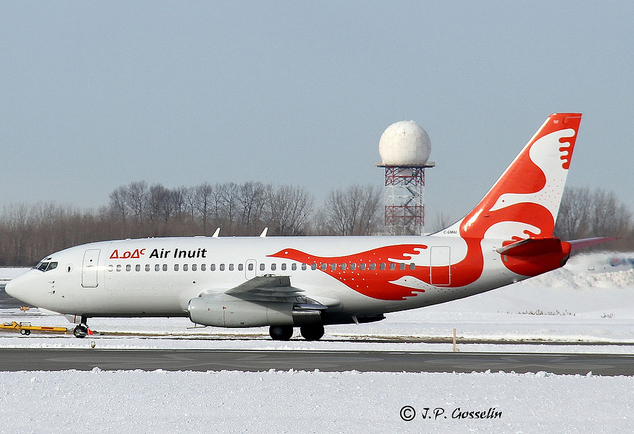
(312, 332)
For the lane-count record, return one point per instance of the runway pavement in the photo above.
(31, 359)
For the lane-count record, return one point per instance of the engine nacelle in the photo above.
(227, 311)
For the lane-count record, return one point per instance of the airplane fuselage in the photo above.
(158, 276)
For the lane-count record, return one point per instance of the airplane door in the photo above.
(440, 273)
(89, 270)
(250, 268)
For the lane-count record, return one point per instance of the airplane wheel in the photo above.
(312, 332)
(25, 332)
(281, 333)
(80, 331)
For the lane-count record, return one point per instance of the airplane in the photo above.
(310, 282)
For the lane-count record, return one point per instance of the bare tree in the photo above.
(575, 213)
(353, 211)
(230, 196)
(584, 214)
(202, 200)
(119, 203)
(137, 199)
(253, 199)
(290, 210)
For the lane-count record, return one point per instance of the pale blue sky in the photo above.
(94, 95)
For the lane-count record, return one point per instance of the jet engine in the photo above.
(227, 311)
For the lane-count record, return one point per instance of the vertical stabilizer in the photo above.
(525, 201)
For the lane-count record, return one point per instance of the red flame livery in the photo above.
(523, 202)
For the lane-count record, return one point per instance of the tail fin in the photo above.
(524, 202)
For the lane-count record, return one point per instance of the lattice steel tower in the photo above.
(404, 148)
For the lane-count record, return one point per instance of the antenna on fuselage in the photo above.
(263, 234)
(216, 234)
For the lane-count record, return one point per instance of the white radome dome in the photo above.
(404, 143)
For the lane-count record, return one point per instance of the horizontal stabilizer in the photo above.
(587, 242)
(532, 247)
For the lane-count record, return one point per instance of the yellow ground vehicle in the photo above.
(25, 328)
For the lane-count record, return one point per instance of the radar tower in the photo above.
(404, 148)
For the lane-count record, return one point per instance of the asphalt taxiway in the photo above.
(46, 359)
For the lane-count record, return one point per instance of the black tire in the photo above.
(25, 332)
(281, 333)
(312, 332)
(80, 331)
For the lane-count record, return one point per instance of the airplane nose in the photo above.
(14, 288)
(10, 288)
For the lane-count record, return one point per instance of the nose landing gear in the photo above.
(81, 331)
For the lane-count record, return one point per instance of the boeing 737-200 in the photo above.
(309, 282)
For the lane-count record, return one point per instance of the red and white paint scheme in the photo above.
(309, 282)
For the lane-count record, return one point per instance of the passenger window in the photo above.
(175, 267)
(382, 266)
(222, 267)
(250, 267)
(185, 267)
(362, 266)
(412, 266)
(128, 267)
(212, 267)
(294, 267)
(353, 266)
(283, 267)
(313, 266)
(392, 266)
(203, 267)
(194, 267)
(333, 267)
(110, 268)
(373, 266)
(164, 267)
(402, 266)
(118, 268)
(147, 267)
(137, 267)
(230, 267)
(324, 266)
(343, 267)
(273, 266)
(240, 267)
(262, 267)
(157, 267)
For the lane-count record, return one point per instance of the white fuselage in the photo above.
(158, 276)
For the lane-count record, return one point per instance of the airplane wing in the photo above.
(267, 289)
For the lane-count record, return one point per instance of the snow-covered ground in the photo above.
(574, 304)
(312, 402)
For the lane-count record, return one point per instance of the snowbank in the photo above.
(290, 402)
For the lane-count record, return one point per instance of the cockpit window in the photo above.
(46, 266)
